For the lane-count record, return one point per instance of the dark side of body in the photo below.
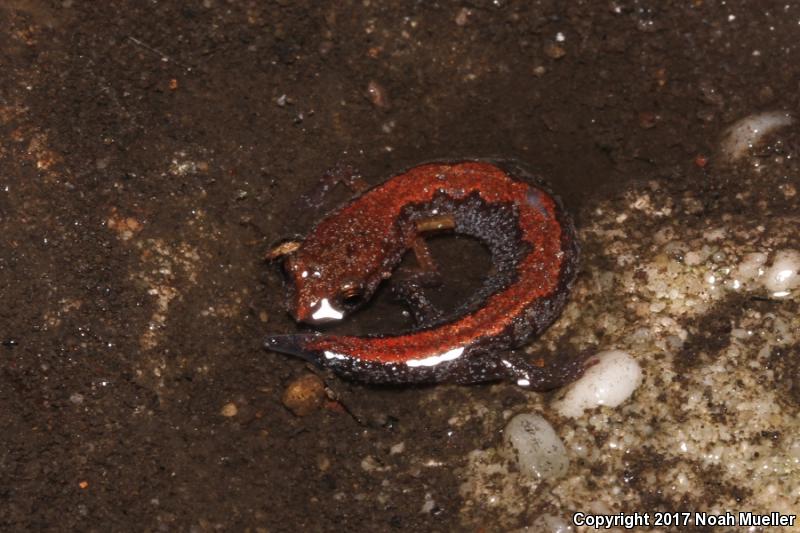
(347, 254)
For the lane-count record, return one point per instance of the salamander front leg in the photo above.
(344, 174)
(283, 249)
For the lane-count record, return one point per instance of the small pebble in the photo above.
(378, 95)
(693, 206)
(701, 160)
(126, 227)
(554, 51)
(76, 398)
(463, 16)
(397, 448)
(304, 395)
(429, 505)
(229, 410)
(783, 275)
(751, 266)
(693, 258)
(661, 77)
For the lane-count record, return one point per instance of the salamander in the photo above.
(348, 253)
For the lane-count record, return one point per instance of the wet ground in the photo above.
(152, 152)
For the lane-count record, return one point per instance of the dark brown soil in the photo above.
(196, 126)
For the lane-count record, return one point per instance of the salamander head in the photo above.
(325, 291)
(340, 263)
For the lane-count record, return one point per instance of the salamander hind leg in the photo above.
(540, 376)
(411, 292)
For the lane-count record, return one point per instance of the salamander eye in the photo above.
(351, 294)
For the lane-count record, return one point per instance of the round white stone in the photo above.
(784, 274)
(609, 382)
(750, 131)
(535, 446)
(750, 267)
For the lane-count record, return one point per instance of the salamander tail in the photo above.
(294, 344)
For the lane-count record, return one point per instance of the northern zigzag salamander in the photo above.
(349, 252)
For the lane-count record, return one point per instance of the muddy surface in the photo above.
(150, 153)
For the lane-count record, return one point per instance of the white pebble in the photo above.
(693, 258)
(429, 504)
(398, 448)
(749, 131)
(784, 274)
(609, 382)
(76, 398)
(533, 443)
(750, 267)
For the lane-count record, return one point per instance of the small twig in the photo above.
(164, 57)
(758, 298)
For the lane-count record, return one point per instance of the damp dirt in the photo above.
(151, 153)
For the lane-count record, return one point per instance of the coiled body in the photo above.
(534, 253)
